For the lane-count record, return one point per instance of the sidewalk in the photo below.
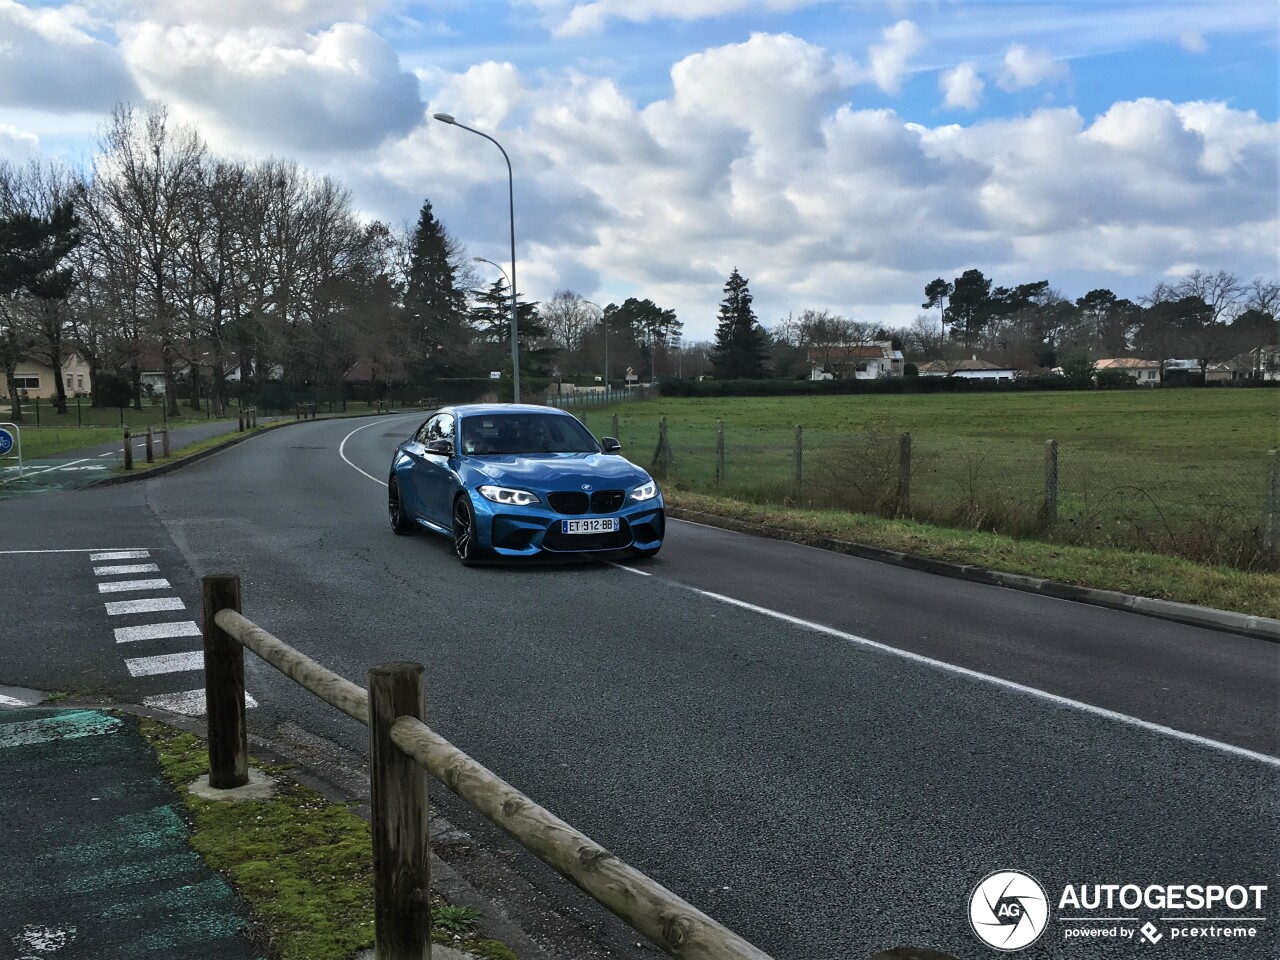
(98, 858)
(97, 861)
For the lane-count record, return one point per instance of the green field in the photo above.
(1182, 472)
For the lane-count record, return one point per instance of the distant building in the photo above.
(37, 381)
(971, 369)
(868, 361)
(1146, 372)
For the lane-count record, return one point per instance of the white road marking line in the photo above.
(110, 453)
(150, 605)
(158, 631)
(11, 701)
(343, 445)
(165, 663)
(120, 555)
(123, 586)
(94, 555)
(1088, 708)
(124, 568)
(188, 702)
(32, 473)
(623, 566)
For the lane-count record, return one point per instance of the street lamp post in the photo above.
(604, 322)
(511, 193)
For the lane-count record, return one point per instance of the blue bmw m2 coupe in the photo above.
(512, 480)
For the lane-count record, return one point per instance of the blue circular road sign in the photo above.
(6, 441)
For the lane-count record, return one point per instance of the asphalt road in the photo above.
(824, 753)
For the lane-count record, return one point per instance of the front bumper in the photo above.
(509, 531)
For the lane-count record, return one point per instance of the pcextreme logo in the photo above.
(1009, 910)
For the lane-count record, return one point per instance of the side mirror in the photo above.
(440, 447)
(610, 445)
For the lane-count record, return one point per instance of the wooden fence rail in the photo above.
(399, 807)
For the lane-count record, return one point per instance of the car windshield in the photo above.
(508, 433)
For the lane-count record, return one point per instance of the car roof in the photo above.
(479, 409)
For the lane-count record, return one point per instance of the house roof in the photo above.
(866, 351)
(1126, 363)
(956, 366)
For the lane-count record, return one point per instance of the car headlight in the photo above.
(515, 498)
(645, 492)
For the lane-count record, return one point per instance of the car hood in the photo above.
(561, 471)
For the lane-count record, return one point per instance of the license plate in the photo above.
(594, 525)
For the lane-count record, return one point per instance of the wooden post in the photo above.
(399, 814)
(240, 428)
(904, 474)
(128, 450)
(151, 446)
(297, 411)
(613, 425)
(1049, 512)
(799, 460)
(1271, 509)
(164, 443)
(719, 451)
(663, 459)
(224, 687)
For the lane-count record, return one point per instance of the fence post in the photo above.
(151, 445)
(164, 443)
(799, 458)
(1049, 513)
(904, 474)
(613, 425)
(240, 428)
(663, 459)
(297, 411)
(399, 814)
(1271, 508)
(719, 451)
(128, 450)
(224, 687)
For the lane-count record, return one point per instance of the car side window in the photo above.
(443, 428)
(424, 431)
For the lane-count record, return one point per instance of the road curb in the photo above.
(1261, 628)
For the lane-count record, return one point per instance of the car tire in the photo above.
(640, 554)
(464, 532)
(400, 522)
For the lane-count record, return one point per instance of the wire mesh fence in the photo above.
(1221, 511)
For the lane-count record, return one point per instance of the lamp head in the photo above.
(444, 117)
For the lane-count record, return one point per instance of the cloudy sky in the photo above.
(840, 154)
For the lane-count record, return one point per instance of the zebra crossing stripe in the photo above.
(149, 605)
(158, 631)
(119, 555)
(165, 663)
(188, 702)
(125, 568)
(124, 586)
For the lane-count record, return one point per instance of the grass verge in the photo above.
(302, 863)
(1144, 574)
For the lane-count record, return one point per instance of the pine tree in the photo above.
(741, 343)
(435, 308)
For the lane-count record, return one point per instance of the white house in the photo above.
(1146, 372)
(971, 369)
(868, 361)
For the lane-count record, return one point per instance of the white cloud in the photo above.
(755, 159)
(889, 59)
(1025, 68)
(962, 87)
(341, 88)
(274, 14)
(573, 19)
(1192, 41)
(48, 61)
(16, 145)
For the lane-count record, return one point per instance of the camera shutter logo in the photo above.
(1009, 910)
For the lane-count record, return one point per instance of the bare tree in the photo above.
(148, 178)
(567, 317)
(1222, 292)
